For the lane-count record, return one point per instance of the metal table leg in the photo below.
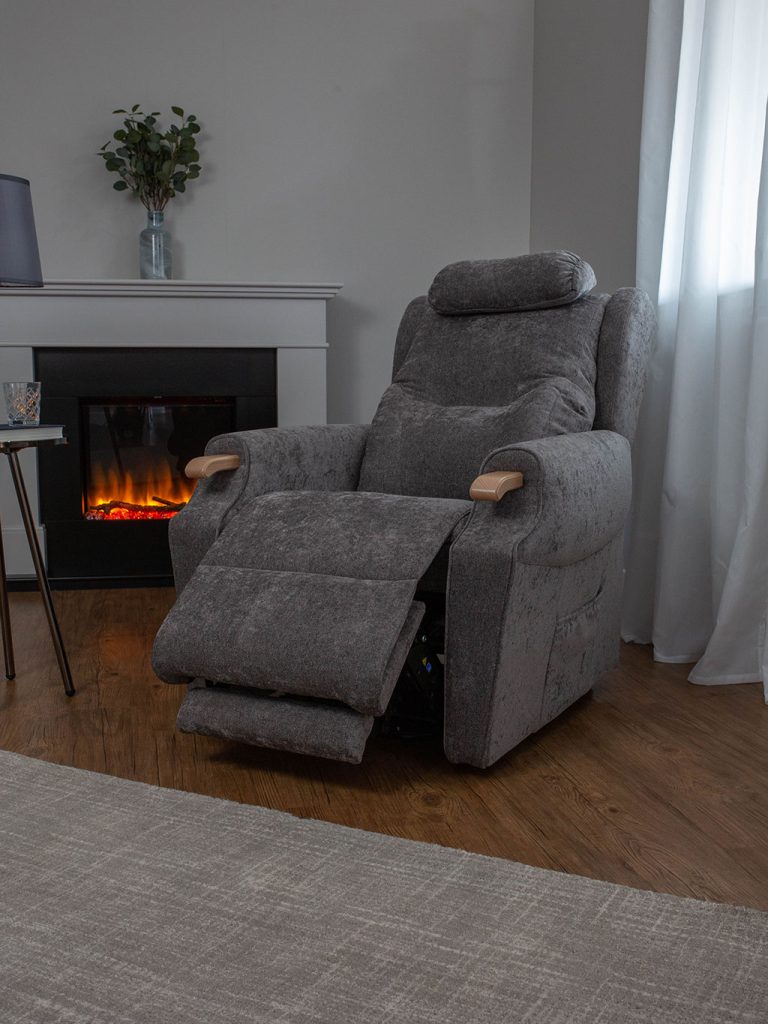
(42, 579)
(5, 617)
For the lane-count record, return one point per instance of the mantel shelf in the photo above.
(131, 288)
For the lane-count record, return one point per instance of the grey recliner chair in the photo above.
(301, 558)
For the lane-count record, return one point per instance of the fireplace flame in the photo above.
(156, 494)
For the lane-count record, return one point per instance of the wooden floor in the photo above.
(650, 781)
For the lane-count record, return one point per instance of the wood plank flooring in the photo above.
(649, 782)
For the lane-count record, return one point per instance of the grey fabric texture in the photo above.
(583, 484)
(508, 365)
(409, 324)
(437, 450)
(520, 570)
(310, 593)
(129, 904)
(338, 533)
(623, 355)
(539, 280)
(304, 726)
(317, 457)
(446, 410)
(492, 360)
(607, 646)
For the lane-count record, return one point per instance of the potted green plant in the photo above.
(153, 165)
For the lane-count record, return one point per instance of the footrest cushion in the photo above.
(305, 726)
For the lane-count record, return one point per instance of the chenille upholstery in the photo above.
(299, 574)
(542, 382)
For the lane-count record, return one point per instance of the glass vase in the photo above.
(155, 249)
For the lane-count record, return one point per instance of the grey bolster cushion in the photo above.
(576, 495)
(537, 281)
(323, 458)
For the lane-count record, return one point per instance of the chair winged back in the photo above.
(500, 351)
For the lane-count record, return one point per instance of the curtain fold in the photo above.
(697, 576)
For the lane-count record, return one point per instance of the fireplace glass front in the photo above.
(136, 450)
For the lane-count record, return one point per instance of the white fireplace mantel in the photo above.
(290, 318)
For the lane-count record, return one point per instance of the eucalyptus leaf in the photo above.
(152, 163)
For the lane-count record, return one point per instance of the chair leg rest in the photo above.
(300, 725)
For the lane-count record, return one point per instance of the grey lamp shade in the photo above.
(19, 256)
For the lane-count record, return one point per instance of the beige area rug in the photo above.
(121, 902)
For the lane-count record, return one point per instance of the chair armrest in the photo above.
(576, 496)
(493, 486)
(205, 466)
(294, 458)
(521, 566)
(323, 458)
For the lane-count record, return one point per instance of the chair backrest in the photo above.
(502, 351)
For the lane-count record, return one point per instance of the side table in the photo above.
(11, 449)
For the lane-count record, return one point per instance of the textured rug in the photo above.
(121, 902)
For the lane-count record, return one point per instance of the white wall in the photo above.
(589, 63)
(362, 141)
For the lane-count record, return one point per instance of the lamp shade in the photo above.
(19, 256)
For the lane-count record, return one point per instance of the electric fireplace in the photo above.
(133, 419)
(131, 318)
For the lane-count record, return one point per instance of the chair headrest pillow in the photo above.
(515, 284)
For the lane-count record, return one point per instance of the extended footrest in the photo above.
(302, 725)
(309, 593)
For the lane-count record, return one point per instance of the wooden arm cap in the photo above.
(206, 465)
(493, 486)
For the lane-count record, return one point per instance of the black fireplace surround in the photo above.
(105, 398)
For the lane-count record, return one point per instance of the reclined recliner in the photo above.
(303, 556)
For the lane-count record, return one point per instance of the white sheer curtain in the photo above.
(697, 556)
